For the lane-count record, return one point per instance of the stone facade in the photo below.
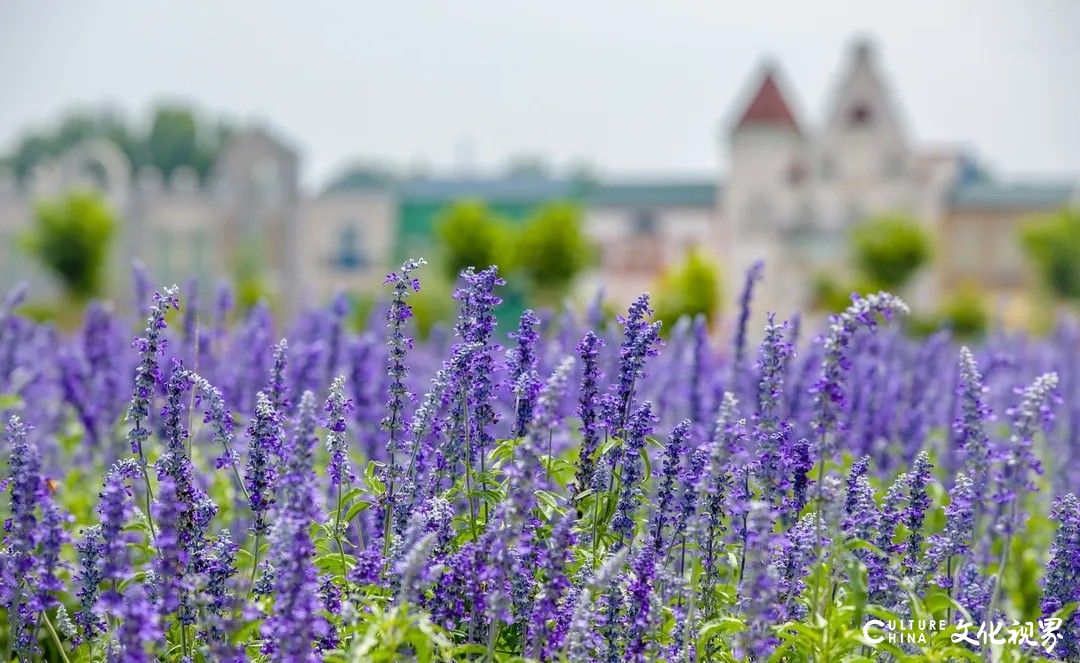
(793, 192)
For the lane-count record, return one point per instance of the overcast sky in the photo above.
(631, 87)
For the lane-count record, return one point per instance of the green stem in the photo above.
(817, 517)
(254, 565)
(149, 495)
(468, 471)
(55, 637)
(341, 545)
(490, 657)
(549, 459)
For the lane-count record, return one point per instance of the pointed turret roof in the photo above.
(768, 106)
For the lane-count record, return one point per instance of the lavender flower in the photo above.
(641, 340)
(673, 453)
(753, 275)
(477, 324)
(148, 373)
(639, 426)
(860, 510)
(580, 633)
(760, 587)
(829, 397)
(639, 595)
(544, 641)
(114, 509)
(171, 561)
(521, 363)
(295, 624)
(1061, 585)
(773, 452)
(588, 409)
(399, 343)
(969, 428)
(918, 504)
(278, 393)
(260, 477)
(337, 408)
(139, 628)
(955, 539)
(1019, 462)
(89, 547)
(27, 489)
(880, 583)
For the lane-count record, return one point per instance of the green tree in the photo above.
(689, 289)
(1052, 244)
(71, 237)
(180, 137)
(965, 312)
(469, 234)
(888, 250)
(176, 137)
(552, 248)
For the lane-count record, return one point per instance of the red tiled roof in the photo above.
(768, 107)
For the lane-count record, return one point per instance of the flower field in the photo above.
(580, 489)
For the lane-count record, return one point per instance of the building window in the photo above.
(860, 115)
(348, 254)
(644, 222)
(94, 172)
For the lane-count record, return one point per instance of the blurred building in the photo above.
(793, 192)
(796, 189)
(247, 219)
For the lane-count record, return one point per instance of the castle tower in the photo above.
(766, 188)
(863, 164)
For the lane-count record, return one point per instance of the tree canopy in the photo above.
(552, 248)
(890, 249)
(175, 136)
(1052, 244)
(469, 234)
(71, 237)
(690, 288)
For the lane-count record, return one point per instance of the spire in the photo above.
(768, 106)
(862, 99)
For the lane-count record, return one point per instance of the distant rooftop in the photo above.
(992, 194)
(526, 189)
(768, 106)
(690, 193)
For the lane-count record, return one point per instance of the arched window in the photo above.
(644, 222)
(348, 253)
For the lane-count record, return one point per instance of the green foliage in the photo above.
(552, 248)
(174, 141)
(471, 235)
(1052, 244)
(433, 304)
(176, 136)
(890, 249)
(965, 312)
(71, 237)
(689, 289)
